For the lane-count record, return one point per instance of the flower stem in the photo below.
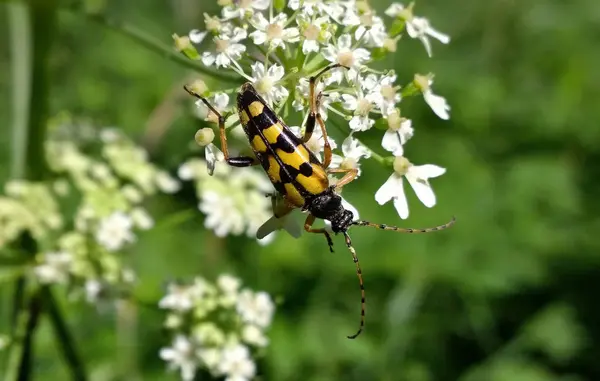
(65, 339)
(152, 44)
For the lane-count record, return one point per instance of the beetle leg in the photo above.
(310, 220)
(238, 161)
(349, 176)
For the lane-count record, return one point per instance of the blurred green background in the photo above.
(510, 293)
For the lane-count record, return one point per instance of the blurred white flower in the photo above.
(253, 335)
(371, 30)
(55, 267)
(93, 289)
(314, 32)
(418, 177)
(181, 355)
(242, 9)
(255, 308)
(179, 298)
(223, 215)
(141, 218)
(213, 155)
(115, 231)
(166, 183)
(220, 101)
(236, 363)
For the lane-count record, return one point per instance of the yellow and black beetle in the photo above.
(296, 173)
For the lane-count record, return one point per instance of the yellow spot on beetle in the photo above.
(272, 133)
(258, 144)
(244, 117)
(256, 108)
(295, 159)
(273, 170)
(314, 184)
(292, 195)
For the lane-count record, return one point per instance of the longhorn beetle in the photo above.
(296, 173)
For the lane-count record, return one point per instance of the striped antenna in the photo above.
(360, 282)
(405, 230)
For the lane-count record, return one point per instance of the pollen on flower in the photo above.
(401, 165)
(274, 31)
(394, 120)
(364, 107)
(221, 45)
(346, 58)
(312, 32)
(264, 85)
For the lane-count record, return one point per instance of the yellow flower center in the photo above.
(221, 45)
(394, 120)
(264, 85)
(367, 19)
(346, 58)
(363, 107)
(388, 92)
(349, 163)
(401, 165)
(274, 31)
(312, 32)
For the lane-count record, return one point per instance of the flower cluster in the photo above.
(278, 45)
(215, 327)
(107, 177)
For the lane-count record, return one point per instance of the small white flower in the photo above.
(345, 54)
(182, 354)
(267, 83)
(227, 48)
(243, 8)
(371, 30)
(273, 32)
(314, 32)
(253, 335)
(236, 364)
(399, 131)
(93, 289)
(389, 96)
(308, 7)
(419, 28)
(223, 215)
(166, 183)
(197, 36)
(229, 284)
(438, 104)
(213, 155)
(115, 231)
(352, 151)
(141, 218)
(255, 308)
(418, 177)
(367, 99)
(55, 267)
(179, 298)
(220, 101)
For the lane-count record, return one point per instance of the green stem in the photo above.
(152, 44)
(65, 340)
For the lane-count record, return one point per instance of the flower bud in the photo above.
(422, 81)
(198, 86)
(204, 136)
(182, 43)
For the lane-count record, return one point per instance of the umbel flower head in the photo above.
(277, 46)
(218, 327)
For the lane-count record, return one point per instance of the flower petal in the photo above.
(422, 189)
(401, 204)
(390, 189)
(391, 142)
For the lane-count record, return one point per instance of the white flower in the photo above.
(399, 131)
(115, 231)
(227, 48)
(345, 54)
(368, 97)
(438, 104)
(308, 7)
(253, 335)
(418, 177)
(141, 218)
(273, 33)
(55, 267)
(371, 30)
(255, 308)
(419, 28)
(229, 284)
(352, 151)
(212, 155)
(266, 82)
(236, 364)
(166, 183)
(243, 8)
(220, 101)
(223, 215)
(181, 354)
(314, 32)
(197, 36)
(389, 97)
(93, 289)
(179, 298)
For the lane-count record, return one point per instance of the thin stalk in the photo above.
(61, 330)
(140, 37)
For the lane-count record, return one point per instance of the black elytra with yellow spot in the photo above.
(296, 173)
